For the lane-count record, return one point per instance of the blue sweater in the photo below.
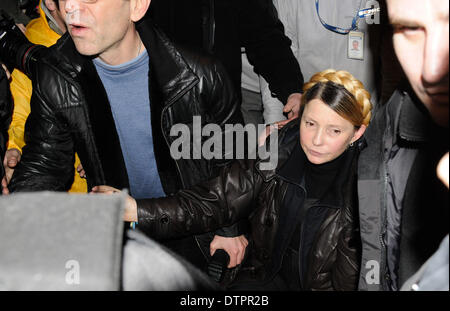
(127, 88)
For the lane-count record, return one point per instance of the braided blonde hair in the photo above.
(356, 108)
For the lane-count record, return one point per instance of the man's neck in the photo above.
(125, 50)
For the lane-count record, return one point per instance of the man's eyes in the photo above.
(406, 29)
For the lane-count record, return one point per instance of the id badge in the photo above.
(355, 47)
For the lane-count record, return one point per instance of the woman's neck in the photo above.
(320, 177)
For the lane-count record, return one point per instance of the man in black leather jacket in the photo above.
(222, 27)
(71, 109)
(5, 116)
(403, 204)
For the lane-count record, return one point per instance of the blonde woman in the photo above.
(304, 229)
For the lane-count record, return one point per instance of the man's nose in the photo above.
(71, 5)
(435, 64)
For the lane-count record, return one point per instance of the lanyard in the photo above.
(339, 30)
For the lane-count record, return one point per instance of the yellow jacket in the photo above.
(38, 32)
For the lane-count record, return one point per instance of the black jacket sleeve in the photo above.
(225, 99)
(47, 161)
(216, 203)
(268, 49)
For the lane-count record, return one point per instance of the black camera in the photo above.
(15, 49)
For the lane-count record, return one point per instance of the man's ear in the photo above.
(138, 8)
(359, 133)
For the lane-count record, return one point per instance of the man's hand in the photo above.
(8, 75)
(269, 130)
(292, 107)
(130, 214)
(12, 158)
(235, 247)
(81, 171)
(5, 190)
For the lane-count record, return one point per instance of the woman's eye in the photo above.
(335, 132)
(308, 123)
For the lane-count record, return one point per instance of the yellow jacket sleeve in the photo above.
(21, 92)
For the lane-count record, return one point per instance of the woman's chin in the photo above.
(316, 160)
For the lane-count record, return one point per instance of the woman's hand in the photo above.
(130, 214)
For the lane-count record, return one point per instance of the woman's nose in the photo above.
(318, 137)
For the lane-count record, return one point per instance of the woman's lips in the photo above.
(315, 153)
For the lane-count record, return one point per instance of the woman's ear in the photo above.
(359, 133)
(138, 8)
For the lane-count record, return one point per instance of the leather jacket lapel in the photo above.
(100, 119)
(171, 73)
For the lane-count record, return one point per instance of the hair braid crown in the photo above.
(353, 85)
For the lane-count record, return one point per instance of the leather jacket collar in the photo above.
(288, 138)
(412, 121)
(170, 71)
